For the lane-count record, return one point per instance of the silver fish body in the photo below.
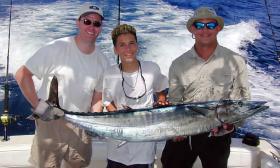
(154, 124)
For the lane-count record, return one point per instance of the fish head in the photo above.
(238, 110)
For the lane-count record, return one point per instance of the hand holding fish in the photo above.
(222, 130)
(46, 112)
(179, 138)
(161, 101)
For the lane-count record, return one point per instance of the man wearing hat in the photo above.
(206, 72)
(78, 64)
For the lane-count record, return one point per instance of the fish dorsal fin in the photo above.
(200, 110)
(53, 93)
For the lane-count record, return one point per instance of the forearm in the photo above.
(24, 79)
(175, 94)
(96, 104)
(241, 89)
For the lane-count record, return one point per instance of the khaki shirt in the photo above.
(223, 76)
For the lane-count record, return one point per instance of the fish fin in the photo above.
(126, 107)
(53, 93)
(200, 110)
(122, 143)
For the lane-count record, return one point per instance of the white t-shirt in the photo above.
(134, 86)
(78, 74)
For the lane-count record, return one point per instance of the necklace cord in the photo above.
(141, 74)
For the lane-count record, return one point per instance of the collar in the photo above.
(215, 54)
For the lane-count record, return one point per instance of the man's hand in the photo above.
(161, 103)
(179, 138)
(222, 130)
(161, 99)
(47, 112)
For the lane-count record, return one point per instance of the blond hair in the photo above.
(122, 29)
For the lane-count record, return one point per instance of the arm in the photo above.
(40, 108)
(240, 91)
(96, 103)
(107, 97)
(241, 84)
(24, 79)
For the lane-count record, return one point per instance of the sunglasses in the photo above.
(209, 25)
(93, 23)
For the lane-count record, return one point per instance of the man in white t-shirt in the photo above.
(133, 84)
(78, 65)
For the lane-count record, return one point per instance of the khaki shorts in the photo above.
(59, 140)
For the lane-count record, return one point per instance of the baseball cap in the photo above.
(205, 13)
(89, 8)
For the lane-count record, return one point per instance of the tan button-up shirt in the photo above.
(223, 76)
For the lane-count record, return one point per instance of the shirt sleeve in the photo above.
(99, 85)
(176, 89)
(241, 88)
(107, 97)
(104, 63)
(161, 81)
(42, 62)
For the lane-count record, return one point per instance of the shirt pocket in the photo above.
(222, 85)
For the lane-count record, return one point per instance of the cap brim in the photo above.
(91, 12)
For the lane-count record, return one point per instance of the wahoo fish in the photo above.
(162, 123)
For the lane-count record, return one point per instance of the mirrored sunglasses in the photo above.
(93, 23)
(209, 25)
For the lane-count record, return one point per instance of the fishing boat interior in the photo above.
(252, 30)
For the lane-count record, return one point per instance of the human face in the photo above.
(89, 26)
(206, 36)
(126, 47)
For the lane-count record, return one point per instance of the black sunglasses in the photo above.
(209, 25)
(93, 23)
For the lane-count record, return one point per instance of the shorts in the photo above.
(59, 140)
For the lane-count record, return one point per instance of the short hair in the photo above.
(122, 29)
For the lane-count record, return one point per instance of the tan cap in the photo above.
(205, 13)
(89, 8)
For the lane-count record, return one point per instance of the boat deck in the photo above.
(16, 152)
